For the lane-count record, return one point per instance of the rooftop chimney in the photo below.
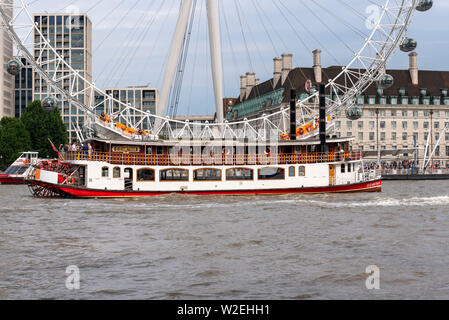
(414, 68)
(287, 65)
(317, 66)
(242, 88)
(277, 71)
(250, 82)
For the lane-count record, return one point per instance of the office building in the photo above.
(140, 97)
(23, 88)
(71, 36)
(6, 80)
(415, 108)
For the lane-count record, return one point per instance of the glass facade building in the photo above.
(142, 98)
(71, 36)
(23, 88)
(6, 80)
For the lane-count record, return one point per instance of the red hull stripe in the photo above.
(374, 186)
(6, 179)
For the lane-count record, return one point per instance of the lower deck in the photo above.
(95, 175)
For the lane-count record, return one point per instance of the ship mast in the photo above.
(175, 53)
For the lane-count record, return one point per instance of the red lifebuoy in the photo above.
(70, 181)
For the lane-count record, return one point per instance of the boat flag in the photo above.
(55, 150)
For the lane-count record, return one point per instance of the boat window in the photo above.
(116, 173)
(105, 172)
(22, 170)
(10, 170)
(207, 175)
(271, 174)
(145, 175)
(291, 171)
(175, 175)
(302, 171)
(239, 174)
(349, 167)
(343, 168)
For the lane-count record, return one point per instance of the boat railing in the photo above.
(415, 171)
(200, 160)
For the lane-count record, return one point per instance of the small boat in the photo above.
(17, 172)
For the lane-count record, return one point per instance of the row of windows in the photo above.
(393, 100)
(209, 174)
(404, 113)
(394, 136)
(393, 124)
(373, 148)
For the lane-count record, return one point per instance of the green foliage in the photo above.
(14, 138)
(43, 125)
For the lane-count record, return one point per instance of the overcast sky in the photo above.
(131, 39)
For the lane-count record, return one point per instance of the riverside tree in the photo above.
(43, 125)
(14, 138)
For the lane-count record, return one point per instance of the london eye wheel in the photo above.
(359, 38)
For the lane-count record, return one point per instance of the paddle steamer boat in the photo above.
(135, 169)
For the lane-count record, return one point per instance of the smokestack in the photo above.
(287, 65)
(317, 66)
(242, 88)
(250, 82)
(323, 118)
(292, 115)
(277, 71)
(414, 68)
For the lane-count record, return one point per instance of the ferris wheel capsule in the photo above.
(49, 103)
(408, 45)
(354, 113)
(385, 82)
(13, 67)
(424, 5)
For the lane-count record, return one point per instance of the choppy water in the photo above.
(269, 247)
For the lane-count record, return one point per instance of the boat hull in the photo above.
(8, 180)
(75, 192)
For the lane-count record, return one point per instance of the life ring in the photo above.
(70, 181)
(301, 131)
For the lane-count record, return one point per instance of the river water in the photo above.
(258, 247)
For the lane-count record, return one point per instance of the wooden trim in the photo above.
(119, 173)
(177, 169)
(258, 173)
(221, 175)
(252, 171)
(137, 175)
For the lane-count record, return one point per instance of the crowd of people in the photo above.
(404, 165)
(77, 147)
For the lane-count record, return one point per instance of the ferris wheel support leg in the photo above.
(173, 58)
(216, 58)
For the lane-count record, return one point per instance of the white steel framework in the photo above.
(366, 67)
